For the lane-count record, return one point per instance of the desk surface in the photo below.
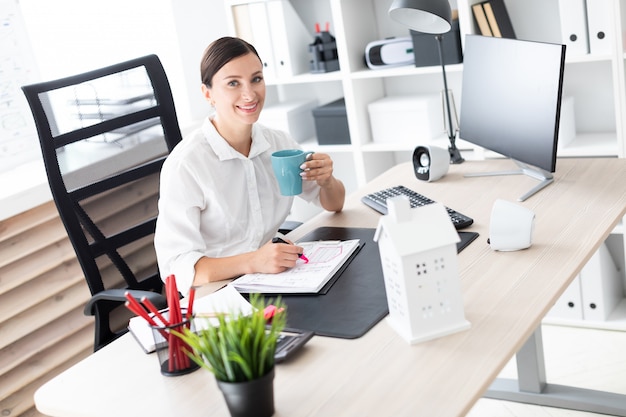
(506, 294)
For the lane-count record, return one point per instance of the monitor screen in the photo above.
(511, 98)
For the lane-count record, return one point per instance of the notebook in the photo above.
(324, 260)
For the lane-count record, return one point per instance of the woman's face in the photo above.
(238, 90)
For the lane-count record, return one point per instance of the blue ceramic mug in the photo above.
(286, 164)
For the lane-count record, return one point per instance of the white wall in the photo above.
(198, 23)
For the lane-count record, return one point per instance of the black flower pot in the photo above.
(250, 398)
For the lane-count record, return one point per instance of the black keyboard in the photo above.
(378, 201)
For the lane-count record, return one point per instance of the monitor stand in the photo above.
(544, 177)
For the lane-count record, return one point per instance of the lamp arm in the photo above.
(455, 154)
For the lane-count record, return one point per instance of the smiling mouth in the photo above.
(250, 108)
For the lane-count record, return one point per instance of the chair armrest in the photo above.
(288, 226)
(118, 295)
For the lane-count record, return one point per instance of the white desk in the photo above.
(505, 296)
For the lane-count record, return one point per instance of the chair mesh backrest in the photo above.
(104, 135)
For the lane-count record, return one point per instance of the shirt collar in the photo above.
(224, 151)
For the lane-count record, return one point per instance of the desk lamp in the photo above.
(430, 16)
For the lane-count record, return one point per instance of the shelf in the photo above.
(389, 147)
(583, 59)
(583, 146)
(591, 144)
(407, 70)
(441, 142)
(308, 78)
(313, 145)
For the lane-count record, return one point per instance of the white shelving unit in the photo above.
(596, 82)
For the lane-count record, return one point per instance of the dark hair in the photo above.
(219, 53)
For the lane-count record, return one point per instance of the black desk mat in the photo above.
(357, 300)
(354, 303)
(466, 239)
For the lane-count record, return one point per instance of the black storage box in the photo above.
(426, 50)
(331, 123)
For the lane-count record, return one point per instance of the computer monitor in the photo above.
(511, 102)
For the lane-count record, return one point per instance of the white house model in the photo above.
(420, 267)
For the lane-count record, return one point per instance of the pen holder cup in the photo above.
(170, 349)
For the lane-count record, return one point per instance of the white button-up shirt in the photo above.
(216, 202)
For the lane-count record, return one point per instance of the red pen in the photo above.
(192, 295)
(152, 309)
(300, 255)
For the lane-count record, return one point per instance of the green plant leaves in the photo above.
(241, 347)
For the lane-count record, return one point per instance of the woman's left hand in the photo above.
(318, 167)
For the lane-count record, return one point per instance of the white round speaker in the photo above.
(511, 226)
(430, 162)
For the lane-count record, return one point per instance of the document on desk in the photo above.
(325, 257)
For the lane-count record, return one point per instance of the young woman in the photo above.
(220, 204)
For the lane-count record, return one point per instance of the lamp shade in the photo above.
(427, 16)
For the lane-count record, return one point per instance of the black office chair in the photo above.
(104, 136)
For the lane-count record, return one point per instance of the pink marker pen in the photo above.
(300, 255)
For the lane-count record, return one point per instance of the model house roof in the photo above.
(413, 230)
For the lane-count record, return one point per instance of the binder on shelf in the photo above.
(601, 286)
(481, 19)
(290, 38)
(573, 16)
(601, 27)
(262, 38)
(276, 31)
(498, 18)
(252, 25)
(242, 22)
(569, 305)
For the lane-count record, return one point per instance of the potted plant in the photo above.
(239, 351)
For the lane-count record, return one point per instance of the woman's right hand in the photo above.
(273, 258)
(270, 258)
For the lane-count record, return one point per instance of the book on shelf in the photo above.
(493, 19)
(481, 19)
(500, 18)
(326, 260)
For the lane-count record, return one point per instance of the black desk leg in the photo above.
(531, 386)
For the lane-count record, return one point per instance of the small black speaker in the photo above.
(430, 162)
